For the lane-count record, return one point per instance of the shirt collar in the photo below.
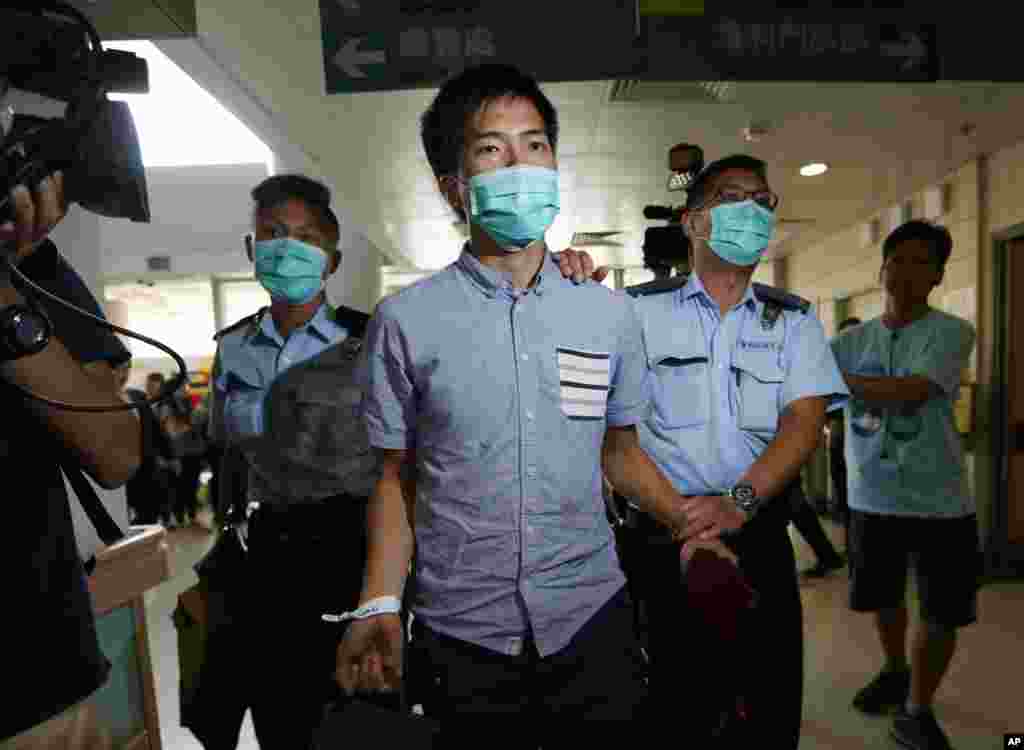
(492, 282)
(695, 288)
(321, 324)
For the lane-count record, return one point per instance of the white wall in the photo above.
(199, 216)
(78, 239)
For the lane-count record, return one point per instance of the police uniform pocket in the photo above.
(583, 380)
(679, 386)
(243, 410)
(759, 379)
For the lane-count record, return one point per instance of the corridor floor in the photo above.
(981, 699)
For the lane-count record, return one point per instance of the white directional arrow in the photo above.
(910, 47)
(350, 58)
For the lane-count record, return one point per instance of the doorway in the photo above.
(1008, 521)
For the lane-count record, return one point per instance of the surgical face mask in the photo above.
(289, 269)
(514, 205)
(740, 232)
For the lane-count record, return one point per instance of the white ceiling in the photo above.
(882, 141)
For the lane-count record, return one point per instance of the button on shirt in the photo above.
(908, 461)
(720, 383)
(505, 397)
(249, 360)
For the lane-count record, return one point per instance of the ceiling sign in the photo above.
(788, 49)
(383, 45)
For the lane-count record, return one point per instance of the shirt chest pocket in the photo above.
(680, 386)
(759, 379)
(584, 378)
(243, 408)
(679, 372)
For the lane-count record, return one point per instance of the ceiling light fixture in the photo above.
(813, 170)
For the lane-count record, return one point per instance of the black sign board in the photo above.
(380, 45)
(735, 49)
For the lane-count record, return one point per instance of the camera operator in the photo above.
(54, 678)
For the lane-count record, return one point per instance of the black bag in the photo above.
(211, 652)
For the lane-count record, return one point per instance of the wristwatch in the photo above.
(746, 498)
(23, 331)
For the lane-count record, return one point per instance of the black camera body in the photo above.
(666, 247)
(52, 49)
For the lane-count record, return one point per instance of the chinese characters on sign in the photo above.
(804, 39)
(446, 43)
(781, 50)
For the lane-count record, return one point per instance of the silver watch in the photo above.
(746, 498)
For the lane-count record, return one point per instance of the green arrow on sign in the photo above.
(353, 56)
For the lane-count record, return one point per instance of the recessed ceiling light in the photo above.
(813, 170)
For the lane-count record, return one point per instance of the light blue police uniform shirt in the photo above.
(249, 359)
(902, 461)
(505, 398)
(720, 383)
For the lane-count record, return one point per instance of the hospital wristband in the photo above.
(382, 605)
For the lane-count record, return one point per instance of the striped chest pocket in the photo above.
(583, 380)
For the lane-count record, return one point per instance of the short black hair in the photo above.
(696, 194)
(936, 236)
(849, 323)
(443, 125)
(275, 190)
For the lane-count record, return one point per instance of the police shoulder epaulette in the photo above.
(657, 286)
(238, 324)
(786, 300)
(353, 321)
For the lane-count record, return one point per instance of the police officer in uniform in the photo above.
(742, 379)
(286, 393)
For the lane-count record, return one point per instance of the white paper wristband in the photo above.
(382, 605)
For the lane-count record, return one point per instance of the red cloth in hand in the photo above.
(718, 592)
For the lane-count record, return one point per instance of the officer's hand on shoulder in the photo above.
(579, 266)
(708, 517)
(369, 657)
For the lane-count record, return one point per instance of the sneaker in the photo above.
(887, 690)
(821, 569)
(919, 732)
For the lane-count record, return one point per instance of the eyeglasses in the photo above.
(764, 198)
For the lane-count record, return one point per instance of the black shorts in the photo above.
(946, 558)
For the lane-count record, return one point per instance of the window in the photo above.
(177, 313)
(239, 299)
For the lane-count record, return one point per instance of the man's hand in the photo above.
(579, 266)
(708, 517)
(369, 656)
(35, 215)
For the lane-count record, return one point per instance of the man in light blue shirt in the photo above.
(742, 377)
(504, 390)
(286, 390)
(907, 480)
